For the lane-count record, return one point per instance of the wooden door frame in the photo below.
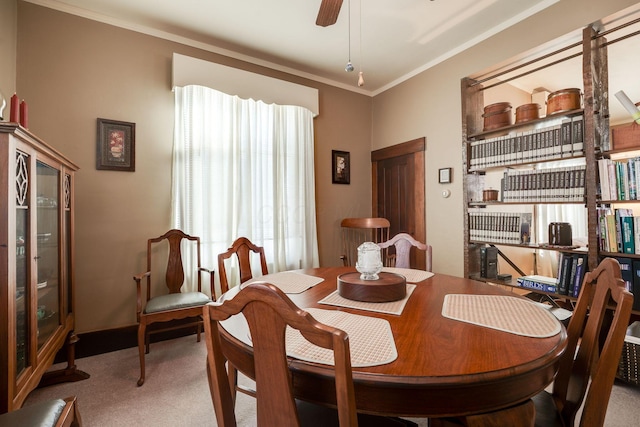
(415, 147)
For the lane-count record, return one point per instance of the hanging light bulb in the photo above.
(360, 74)
(349, 67)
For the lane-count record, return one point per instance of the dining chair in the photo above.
(356, 231)
(242, 248)
(588, 366)
(403, 242)
(175, 305)
(52, 412)
(268, 312)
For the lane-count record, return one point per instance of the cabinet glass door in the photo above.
(47, 213)
(22, 264)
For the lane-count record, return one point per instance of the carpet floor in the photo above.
(176, 392)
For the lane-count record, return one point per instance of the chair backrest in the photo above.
(268, 311)
(174, 275)
(403, 242)
(242, 248)
(597, 330)
(356, 231)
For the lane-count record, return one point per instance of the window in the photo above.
(245, 168)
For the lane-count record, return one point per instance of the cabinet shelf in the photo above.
(604, 254)
(572, 249)
(615, 202)
(532, 202)
(528, 124)
(522, 163)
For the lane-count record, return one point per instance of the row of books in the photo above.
(571, 270)
(566, 184)
(500, 227)
(618, 230)
(554, 142)
(630, 271)
(619, 179)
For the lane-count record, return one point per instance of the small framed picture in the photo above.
(341, 167)
(444, 175)
(116, 148)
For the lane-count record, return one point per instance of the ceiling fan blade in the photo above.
(328, 14)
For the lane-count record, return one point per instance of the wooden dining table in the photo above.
(444, 367)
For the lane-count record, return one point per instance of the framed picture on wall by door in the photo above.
(341, 167)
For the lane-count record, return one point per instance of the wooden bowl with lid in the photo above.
(527, 112)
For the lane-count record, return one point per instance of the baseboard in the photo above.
(108, 340)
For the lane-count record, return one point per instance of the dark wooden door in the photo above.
(398, 190)
(395, 197)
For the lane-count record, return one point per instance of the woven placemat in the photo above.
(393, 307)
(412, 276)
(370, 339)
(289, 282)
(501, 312)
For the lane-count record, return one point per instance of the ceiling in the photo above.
(389, 40)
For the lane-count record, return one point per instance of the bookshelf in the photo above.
(572, 157)
(545, 161)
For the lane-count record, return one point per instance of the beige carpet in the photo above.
(176, 392)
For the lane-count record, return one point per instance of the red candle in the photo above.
(24, 114)
(13, 111)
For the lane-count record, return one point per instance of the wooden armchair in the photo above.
(597, 329)
(588, 366)
(48, 413)
(403, 243)
(356, 231)
(185, 307)
(242, 249)
(268, 312)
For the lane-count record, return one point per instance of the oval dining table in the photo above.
(444, 367)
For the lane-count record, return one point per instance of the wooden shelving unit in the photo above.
(595, 124)
(596, 144)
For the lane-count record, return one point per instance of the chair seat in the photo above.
(175, 301)
(42, 414)
(546, 412)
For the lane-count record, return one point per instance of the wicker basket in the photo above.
(628, 366)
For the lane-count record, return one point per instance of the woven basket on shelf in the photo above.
(629, 360)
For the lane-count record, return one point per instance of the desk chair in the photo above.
(185, 307)
(48, 413)
(356, 231)
(403, 242)
(268, 312)
(597, 330)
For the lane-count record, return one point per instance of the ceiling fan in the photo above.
(328, 14)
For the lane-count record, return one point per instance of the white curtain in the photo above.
(244, 168)
(575, 214)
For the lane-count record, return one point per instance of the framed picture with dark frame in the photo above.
(116, 148)
(444, 175)
(340, 164)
